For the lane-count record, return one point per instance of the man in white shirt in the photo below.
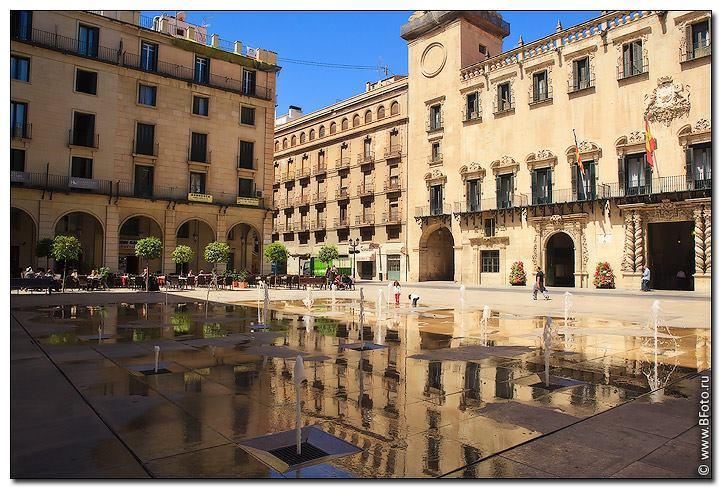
(646, 275)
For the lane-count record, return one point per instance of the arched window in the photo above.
(356, 121)
(276, 145)
(381, 112)
(302, 138)
(312, 134)
(285, 143)
(394, 108)
(321, 131)
(293, 141)
(367, 117)
(332, 128)
(344, 124)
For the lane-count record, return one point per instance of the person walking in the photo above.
(646, 276)
(397, 291)
(539, 285)
(329, 279)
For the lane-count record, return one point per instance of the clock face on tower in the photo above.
(433, 59)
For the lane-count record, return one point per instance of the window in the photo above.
(143, 181)
(436, 155)
(202, 70)
(293, 140)
(83, 130)
(145, 139)
(482, 49)
(367, 117)
(700, 40)
(19, 68)
(184, 230)
(503, 95)
(585, 184)
(19, 119)
(81, 167)
(380, 112)
(700, 168)
(86, 81)
(540, 87)
(367, 148)
(321, 131)
(489, 227)
(472, 106)
(490, 261)
(633, 59)
(199, 147)
(249, 82)
(312, 135)
(356, 120)
(504, 191)
(394, 108)
(148, 56)
(435, 117)
(146, 95)
(248, 115)
(197, 183)
(344, 124)
(541, 186)
(17, 159)
(436, 200)
(473, 195)
(21, 24)
(581, 74)
(638, 175)
(200, 105)
(88, 40)
(245, 187)
(245, 158)
(332, 128)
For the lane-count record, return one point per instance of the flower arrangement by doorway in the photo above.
(517, 275)
(603, 276)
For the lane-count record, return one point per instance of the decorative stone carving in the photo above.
(471, 170)
(433, 59)
(699, 241)
(635, 137)
(435, 176)
(628, 253)
(573, 226)
(504, 164)
(541, 158)
(667, 102)
(702, 125)
(707, 239)
(638, 242)
(490, 241)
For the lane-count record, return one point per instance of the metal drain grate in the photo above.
(153, 372)
(550, 387)
(365, 346)
(289, 456)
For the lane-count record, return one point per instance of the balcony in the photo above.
(472, 115)
(340, 222)
(344, 162)
(365, 219)
(118, 56)
(393, 217)
(659, 185)
(505, 202)
(466, 207)
(278, 228)
(318, 224)
(392, 184)
(246, 163)
(365, 189)
(302, 200)
(61, 183)
(436, 159)
(318, 198)
(365, 158)
(145, 149)
(435, 125)
(432, 210)
(288, 176)
(581, 84)
(634, 69)
(83, 139)
(502, 107)
(695, 51)
(21, 131)
(392, 151)
(277, 177)
(199, 156)
(301, 226)
(303, 172)
(342, 193)
(318, 169)
(537, 97)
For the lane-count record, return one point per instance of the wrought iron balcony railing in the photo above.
(318, 198)
(344, 162)
(392, 217)
(342, 193)
(392, 151)
(318, 169)
(303, 172)
(696, 50)
(366, 188)
(367, 219)
(581, 84)
(83, 138)
(392, 184)
(629, 70)
(432, 210)
(365, 158)
(21, 131)
(340, 222)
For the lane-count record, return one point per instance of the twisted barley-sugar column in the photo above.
(628, 257)
(638, 255)
(699, 241)
(708, 240)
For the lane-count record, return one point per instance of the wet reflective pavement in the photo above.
(447, 395)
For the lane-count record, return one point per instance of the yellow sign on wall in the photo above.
(254, 201)
(193, 197)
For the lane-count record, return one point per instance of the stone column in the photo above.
(111, 244)
(169, 240)
(638, 242)
(708, 239)
(699, 241)
(628, 255)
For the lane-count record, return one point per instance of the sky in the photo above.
(350, 38)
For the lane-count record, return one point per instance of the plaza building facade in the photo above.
(492, 149)
(124, 127)
(340, 176)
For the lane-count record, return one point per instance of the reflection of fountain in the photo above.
(309, 321)
(308, 300)
(298, 376)
(462, 295)
(547, 336)
(380, 335)
(258, 302)
(656, 384)
(157, 356)
(379, 303)
(361, 317)
(100, 333)
(389, 294)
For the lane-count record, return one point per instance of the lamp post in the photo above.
(352, 245)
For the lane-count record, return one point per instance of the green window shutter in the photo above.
(534, 191)
(689, 165)
(622, 175)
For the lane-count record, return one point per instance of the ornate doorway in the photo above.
(436, 256)
(560, 260)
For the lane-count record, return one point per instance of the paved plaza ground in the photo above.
(443, 398)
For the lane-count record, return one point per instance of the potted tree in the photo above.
(65, 249)
(603, 276)
(275, 253)
(149, 248)
(181, 255)
(43, 249)
(216, 252)
(242, 278)
(518, 274)
(327, 254)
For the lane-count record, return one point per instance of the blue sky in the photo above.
(356, 38)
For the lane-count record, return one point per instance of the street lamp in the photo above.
(353, 244)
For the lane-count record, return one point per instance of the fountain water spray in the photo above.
(157, 356)
(389, 294)
(308, 300)
(485, 315)
(298, 376)
(258, 302)
(379, 303)
(567, 307)
(265, 305)
(547, 336)
(462, 295)
(361, 316)
(100, 333)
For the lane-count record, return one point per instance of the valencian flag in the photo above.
(649, 142)
(577, 154)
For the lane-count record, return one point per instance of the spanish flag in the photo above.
(577, 154)
(649, 142)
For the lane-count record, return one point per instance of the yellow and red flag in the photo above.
(577, 154)
(649, 143)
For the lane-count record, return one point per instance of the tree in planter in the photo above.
(327, 254)
(181, 255)
(149, 248)
(603, 276)
(518, 274)
(65, 249)
(216, 252)
(275, 253)
(44, 249)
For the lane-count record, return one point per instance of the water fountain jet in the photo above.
(157, 357)
(298, 376)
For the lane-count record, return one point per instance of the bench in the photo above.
(40, 283)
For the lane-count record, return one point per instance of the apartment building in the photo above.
(124, 127)
(340, 178)
(495, 174)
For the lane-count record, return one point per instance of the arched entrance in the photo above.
(436, 255)
(133, 229)
(245, 248)
(196, 234)
(560, 261)
(22, 241)
(89, 231)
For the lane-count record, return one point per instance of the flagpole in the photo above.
(577, 157)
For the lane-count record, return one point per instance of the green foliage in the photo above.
(217, 252)
(44, 248)
(149, 248)
(182, 254)
(213, 330)
(328, 253)
(104, 272)
(65, 248)
(518, 274)
(181, 321)
(275, 253)
(326, 327)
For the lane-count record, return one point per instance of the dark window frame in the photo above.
(88, 76)
(15, 61)
(197, 105)
(490, 261)
(150, 89)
